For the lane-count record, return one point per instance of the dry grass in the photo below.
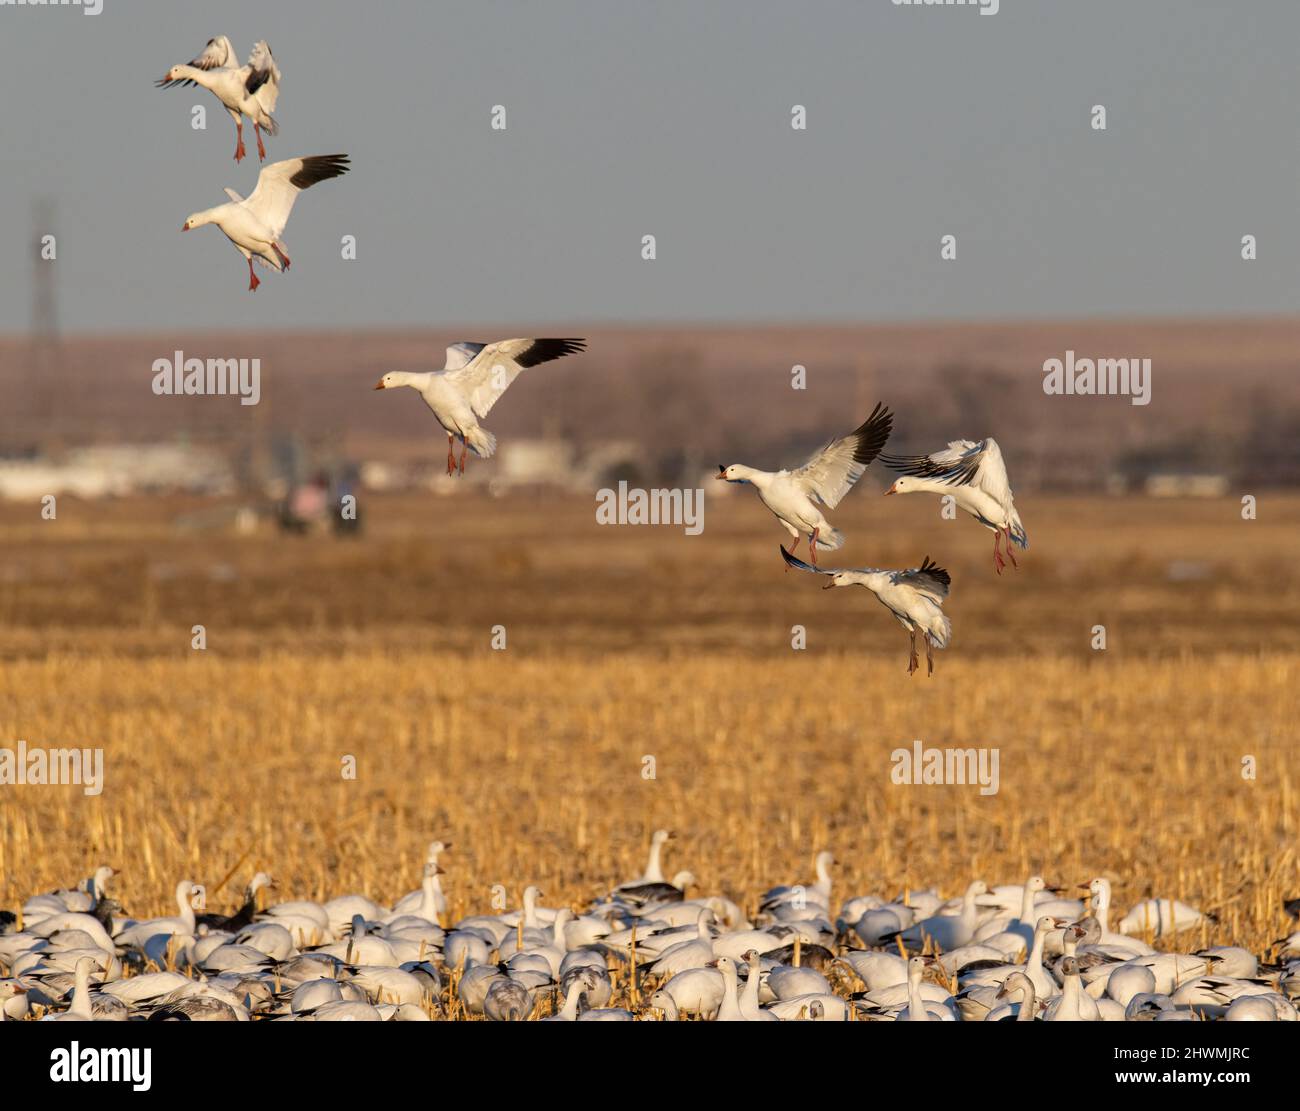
(642, 642)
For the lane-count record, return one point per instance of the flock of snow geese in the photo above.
(647, 949)
(475, 376)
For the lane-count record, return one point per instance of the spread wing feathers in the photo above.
(489, 372)
(799, 564)
(961, 463)
(462, 354)
(233, 195)
(831, 473)
(929, 578)
(218, 54)
(279, 184)
(264, 80)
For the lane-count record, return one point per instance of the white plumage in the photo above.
(249, 90)
(475, 377)
(255, 224)
(974, 474)
(795, 497)
(915, 597)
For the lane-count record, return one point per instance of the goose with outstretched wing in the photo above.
(475, 377)
(914, 596)
(974, 474)
(795, 497)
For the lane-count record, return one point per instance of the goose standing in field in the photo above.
(948, 931)
(244, 914)
(412, 902)
(88, 894)
(1024, 1011)
(915, 597)
(654, 869)
(794, 496)
(182, 926)
(255, 224)
(1162, 917)
(249, 90)
(975, 475)
(1073, 1004)
(780, 901)
(475, 377)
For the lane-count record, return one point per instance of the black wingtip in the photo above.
(929, 567)
(320, 167)
(544, 350)
(872, 434)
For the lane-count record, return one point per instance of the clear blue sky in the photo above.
(668, 118)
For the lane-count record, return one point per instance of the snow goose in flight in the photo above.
(915, 597)
(475, 377)
(255, 224)
(794, 496)
(249, 90)
(976, 477)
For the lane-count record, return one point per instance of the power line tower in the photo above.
(45, 351)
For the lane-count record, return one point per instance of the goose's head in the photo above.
(1098, 889)
(176, 73)
(903, 485)
(391, 381)
(196, 220)
(734, 473)
(841, 578)
(1016, 982)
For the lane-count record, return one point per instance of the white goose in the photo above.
(1161, 917)
(475, 377)
(915, 598)
(80, 1009)
(796, 897)
(654, 869)
(1116, 945)
(1073, 1004)
(794, 496)
(975, 475)
(413, 902)
(948, 931)
(181, 926)
(255, 224)
(249, 90)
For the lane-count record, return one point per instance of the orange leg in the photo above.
(998, 561)
(451, 458)
(913, 662)
(797, 538)
(1010, 554)
(253, 282)
(284, 259)
(812, 545)
(239, 140)
(261, 150)
(464, 451)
